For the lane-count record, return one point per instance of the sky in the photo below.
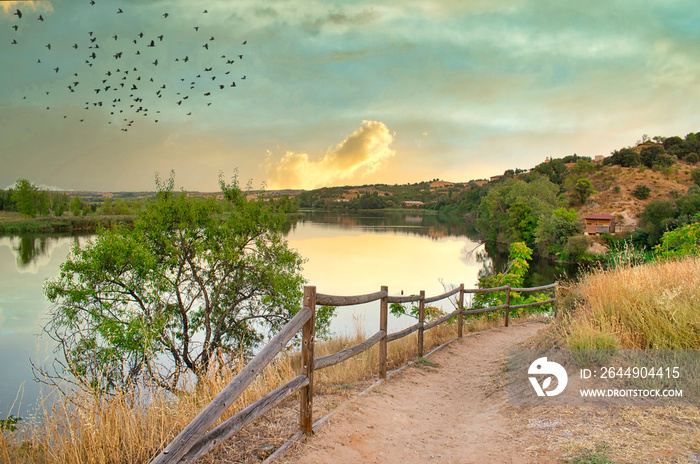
(333, 93)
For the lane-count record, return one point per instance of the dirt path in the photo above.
(454, 411)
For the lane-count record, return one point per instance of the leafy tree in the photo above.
(658, 217)
(495, 221)
(626, 157)
(25, 196)
(521, 222)
(672, 141)
(176, 293)
(553, 231)
(576, 248)
(689, 205)
(695, 175)
(514, 274)
(583, 190)
(655, 156)
(684, 241)
(555, 169)
(106, 207)
(76, 206)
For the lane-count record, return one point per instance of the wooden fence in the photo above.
(194, 441)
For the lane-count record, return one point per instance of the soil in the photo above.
(450, 409)
(453, 408)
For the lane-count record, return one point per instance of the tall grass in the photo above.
(133, 427)
(654, 305)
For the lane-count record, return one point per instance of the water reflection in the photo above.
(345, 254)
(411, 223)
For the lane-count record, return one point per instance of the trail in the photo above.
(453, 412)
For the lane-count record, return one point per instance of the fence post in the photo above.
(507, 304)
(460, 318)
(306, 394)
(383, 315)
(556, 292)
(421, 321)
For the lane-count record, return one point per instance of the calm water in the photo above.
(346, 255)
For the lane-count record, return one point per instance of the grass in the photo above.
(650, 306)
(134, 426)
(630, 306)
(599, 455)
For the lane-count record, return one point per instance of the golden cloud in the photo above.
(10, 7)
(362, 152)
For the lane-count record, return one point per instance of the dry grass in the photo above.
(133, 427)
(656, 305)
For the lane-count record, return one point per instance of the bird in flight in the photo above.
(120, 11)
(40, 18)
(18, 13)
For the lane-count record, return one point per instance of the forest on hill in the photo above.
(649, 188)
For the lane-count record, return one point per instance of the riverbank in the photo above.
(13, 223)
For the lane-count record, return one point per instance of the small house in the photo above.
(413, 203)
(600, 224)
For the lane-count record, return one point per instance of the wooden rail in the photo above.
(347, 353)
(194, 441)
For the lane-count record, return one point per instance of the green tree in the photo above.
(684, 241)
(25, 197)
(494, 219)
(655, 156)
(76, 206)
(657, 218)
(180, 290)
(106, 207)
(583, 190)
(521, 222)
(553, 231)
(625, 157)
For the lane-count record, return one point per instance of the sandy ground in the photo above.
(453, 411)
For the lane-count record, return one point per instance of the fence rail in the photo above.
(194, 441)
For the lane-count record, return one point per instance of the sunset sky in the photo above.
(335, 93)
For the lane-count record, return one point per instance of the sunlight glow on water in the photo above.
(345, 255)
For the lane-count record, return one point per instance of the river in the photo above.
(345, 254)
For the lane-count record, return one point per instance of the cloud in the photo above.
(10, 7)
(339, 18)
(361, 153)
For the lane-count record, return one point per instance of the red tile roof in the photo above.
(600, 216)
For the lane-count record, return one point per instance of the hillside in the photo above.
(622, 203)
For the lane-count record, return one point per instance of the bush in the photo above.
(642, 192)
(576, 248)
(692, 158)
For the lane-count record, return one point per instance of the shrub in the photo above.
(642, 192)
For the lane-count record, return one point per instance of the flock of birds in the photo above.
(121, 72)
